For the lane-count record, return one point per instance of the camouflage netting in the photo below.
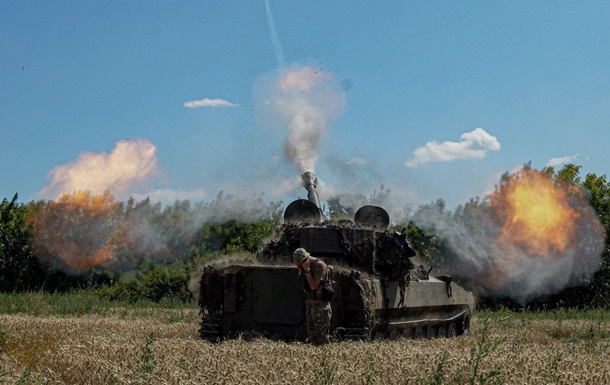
(357, 293)
(381, 253)
(396, 253)
(281, 245)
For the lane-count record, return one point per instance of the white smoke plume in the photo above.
(82, 230)
(473, 145)
(304, 100)
(129, 164)
(169, 196)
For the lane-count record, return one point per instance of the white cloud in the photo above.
(473, 145)
(209, 103)
(554, 162)
(356, 161)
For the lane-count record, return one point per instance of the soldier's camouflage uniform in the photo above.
(318, 312)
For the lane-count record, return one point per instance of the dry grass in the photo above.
(150, 350)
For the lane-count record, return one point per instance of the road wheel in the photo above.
(442, 331)
(419, 334)
(379, 335)
(452, 330)
(465, 324)
(430, 332)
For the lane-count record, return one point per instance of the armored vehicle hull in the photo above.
(268, 300)
(379, 292)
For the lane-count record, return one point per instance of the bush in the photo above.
(158, 283)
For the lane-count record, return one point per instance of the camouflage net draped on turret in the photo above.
(381, 253)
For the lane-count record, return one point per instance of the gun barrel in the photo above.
(310, 181)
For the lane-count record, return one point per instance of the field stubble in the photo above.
(150, 350)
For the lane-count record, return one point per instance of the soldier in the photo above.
(318, 312)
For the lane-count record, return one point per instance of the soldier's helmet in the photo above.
(300, 255)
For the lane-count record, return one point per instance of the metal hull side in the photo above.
(268, 300)
(424, 293)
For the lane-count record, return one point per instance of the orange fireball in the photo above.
(535, 213)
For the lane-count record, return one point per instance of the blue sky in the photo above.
(172, 99)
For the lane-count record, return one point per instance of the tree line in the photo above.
(127, 249)
(133, 250)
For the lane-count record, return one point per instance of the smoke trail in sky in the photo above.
(274, 38)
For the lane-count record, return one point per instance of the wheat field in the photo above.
(154, 349)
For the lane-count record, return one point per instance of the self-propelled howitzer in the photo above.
(379, 291)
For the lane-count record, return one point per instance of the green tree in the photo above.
(19, 270)
(599, 190)
(426, 237)
(234, 236)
